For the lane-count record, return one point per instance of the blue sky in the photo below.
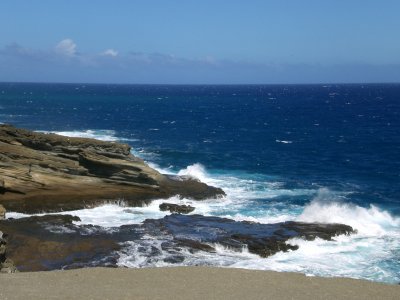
(204, 41)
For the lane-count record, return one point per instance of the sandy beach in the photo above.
(186, 283)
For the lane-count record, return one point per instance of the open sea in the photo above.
(313, 153)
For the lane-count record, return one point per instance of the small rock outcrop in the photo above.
(6, 264)
(48, 172)
(176, 208)
(2, 212)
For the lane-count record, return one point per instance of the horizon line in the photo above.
(198, 84)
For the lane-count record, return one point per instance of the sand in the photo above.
(186, 283)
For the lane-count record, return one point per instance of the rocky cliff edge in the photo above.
(47, 172)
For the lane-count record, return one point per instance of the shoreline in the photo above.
(186, 283)
(49, 172)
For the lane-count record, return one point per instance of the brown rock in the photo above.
(8, 267)
(2, 212)
(48, 172)
(6, 264)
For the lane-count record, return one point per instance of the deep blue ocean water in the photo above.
(307, 152)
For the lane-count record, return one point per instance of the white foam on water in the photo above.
(16, 215)
(197, 171)
(370, 221)
(242, 194)
(98, 134)
(347, 256)
(239, 187)
(283, 142)
(370, 254)
(237, 205)
(148, 252)
(110, 215)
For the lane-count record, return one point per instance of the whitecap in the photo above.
(98, 134)
(368, 221)
(284, 142)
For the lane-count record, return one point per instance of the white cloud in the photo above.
(66, 47)
(110, 52)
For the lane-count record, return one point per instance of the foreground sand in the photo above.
(186, 283)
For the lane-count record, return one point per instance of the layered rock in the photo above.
(48, 172)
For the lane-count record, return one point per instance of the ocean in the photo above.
(313, 153)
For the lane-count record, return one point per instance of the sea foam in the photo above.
(372, 253)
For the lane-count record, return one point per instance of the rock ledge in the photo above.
(47, 172)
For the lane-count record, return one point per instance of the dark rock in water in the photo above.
(47, 172)
(6, 264)
(54, 242)
(198, 232)
(176, 208)
(195, 246)
(174, 259)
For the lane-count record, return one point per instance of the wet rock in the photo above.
(51, 242)
(187, 187)
(176, 208)
(2, 212)
(55, 242)
(195, 246)
(6, 264)
(47, 172)
(175, 259)
(197, 232)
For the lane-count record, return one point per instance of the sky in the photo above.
(200, 42)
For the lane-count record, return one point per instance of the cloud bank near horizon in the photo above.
(65, 63)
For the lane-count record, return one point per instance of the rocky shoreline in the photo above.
(50, 173)
(52, 242)
(6, 264)
(47, 172)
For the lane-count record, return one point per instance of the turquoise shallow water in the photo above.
(317, 153)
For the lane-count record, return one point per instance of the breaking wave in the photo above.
(372, 253)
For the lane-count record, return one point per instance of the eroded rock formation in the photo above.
(48, 172)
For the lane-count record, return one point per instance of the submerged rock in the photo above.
(47, 172)
(176, 208)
